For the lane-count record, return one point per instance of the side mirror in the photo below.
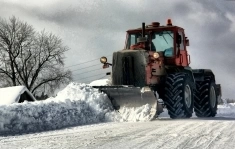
(178, 39)
(186, 41)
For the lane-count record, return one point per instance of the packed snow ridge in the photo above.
(77, 104)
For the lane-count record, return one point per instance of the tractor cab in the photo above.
(167, 40)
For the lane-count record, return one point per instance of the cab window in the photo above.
(132, 39)
(163, 42)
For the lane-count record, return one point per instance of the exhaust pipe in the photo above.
(143, 33)
(143, 29)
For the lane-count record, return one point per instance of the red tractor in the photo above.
(155, 64)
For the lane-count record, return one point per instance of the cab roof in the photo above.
(150, 27)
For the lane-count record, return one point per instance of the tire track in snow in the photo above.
(177, 135)
(201, 138)
(154, 133)
(226, 137)
(135, 137)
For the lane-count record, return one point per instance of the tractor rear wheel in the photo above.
(179, 95)
(205, 103)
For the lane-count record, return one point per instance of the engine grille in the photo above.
(129, 68)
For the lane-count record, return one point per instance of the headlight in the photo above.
(103, 59)
(155, 55)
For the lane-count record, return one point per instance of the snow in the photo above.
(101, 82)
(227, 110)
(11, 95)
(136, 114)
(164, 133)
(80, 112)
(75, 105)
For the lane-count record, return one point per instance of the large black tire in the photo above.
(205, 100)
(179, 95)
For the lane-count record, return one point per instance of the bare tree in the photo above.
(32, 59)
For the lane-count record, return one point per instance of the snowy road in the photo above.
(162, 133)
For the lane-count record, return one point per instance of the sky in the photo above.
(92, 28)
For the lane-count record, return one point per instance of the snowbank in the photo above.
(77, 104)
(228, 110)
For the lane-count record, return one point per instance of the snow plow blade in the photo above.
(130, 97)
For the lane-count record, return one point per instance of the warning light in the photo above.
(169, 23)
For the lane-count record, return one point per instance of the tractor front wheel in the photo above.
(179, 95)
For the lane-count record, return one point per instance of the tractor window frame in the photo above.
(136, 35)
(166, 38)
(182, 44)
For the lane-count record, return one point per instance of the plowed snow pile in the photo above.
(227, 109)
(77, 104)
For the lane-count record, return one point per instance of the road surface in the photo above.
(163, 133)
